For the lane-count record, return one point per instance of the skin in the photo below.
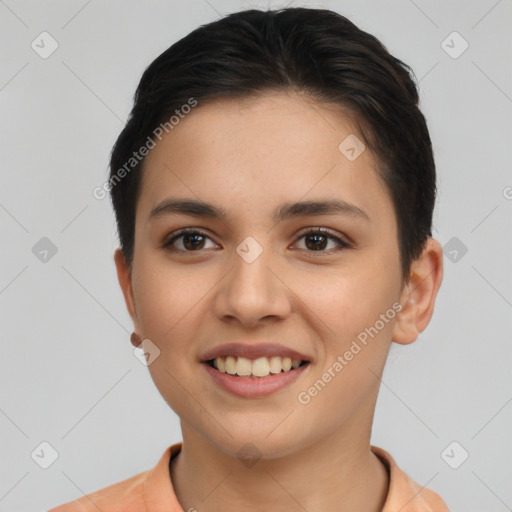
(249, 156)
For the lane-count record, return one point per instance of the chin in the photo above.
(258, 443)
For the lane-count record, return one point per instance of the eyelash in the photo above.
(314, 231)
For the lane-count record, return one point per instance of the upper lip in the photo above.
(252, 351)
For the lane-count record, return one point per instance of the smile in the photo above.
(260, 367)
(258, 378)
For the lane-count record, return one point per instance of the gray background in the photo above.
(68, 375)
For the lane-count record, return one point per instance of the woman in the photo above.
(274, 189)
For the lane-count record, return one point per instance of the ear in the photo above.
(125, 281)
(419, 294)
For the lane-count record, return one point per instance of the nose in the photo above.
(253, 291)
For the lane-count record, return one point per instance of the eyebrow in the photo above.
(283, 212)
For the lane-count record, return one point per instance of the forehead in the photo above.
(250, 152)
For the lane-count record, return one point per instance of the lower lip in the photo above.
(255, 387)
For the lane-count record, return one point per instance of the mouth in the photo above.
(258, 368)
(255, 378)
(254, 370)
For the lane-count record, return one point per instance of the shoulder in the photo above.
(404, 493)
(124, 496)
(150, 490)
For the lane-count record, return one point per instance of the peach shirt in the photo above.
(152, 491)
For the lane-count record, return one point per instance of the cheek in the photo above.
(355, 348)
(169, 307)
(167, 299)
(352, 298)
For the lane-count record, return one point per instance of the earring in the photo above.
(136, 341)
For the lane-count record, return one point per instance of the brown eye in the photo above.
(190, 240)
(318, 239)
(316, 242)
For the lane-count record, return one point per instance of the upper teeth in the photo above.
(260, 367)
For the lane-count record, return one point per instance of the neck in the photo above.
(340, 473)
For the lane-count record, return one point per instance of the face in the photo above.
(254, 282)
